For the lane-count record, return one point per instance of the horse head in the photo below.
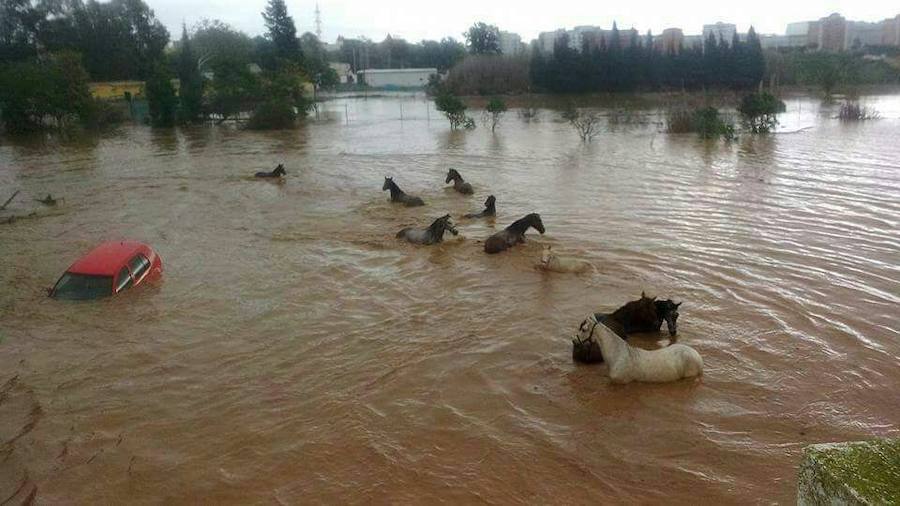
(388, 181)
(534, 219)
(442, 224)
(668, 310)
(490, 202)
(452, 175)
(279, 171)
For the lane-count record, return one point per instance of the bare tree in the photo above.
(586, 123)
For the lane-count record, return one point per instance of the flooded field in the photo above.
(296, 352)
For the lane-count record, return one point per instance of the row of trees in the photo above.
(636, 65)
(395, 52)
(50, 50)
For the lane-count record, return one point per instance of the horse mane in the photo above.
(521, 225)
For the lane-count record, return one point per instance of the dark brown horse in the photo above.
(490, 209)
(513, 234)
(458, 183)
(643, 315)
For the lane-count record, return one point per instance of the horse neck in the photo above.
(436, 230)
(611, 345)
(520, 226)
(395, 190)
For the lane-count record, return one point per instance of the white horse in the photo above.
(627, 363)
(552, 262)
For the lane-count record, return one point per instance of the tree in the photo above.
(759, 111)
(482, 38)
(315, 62)
(190, 89)
(495, 108)
(586, 123)
(161, 99)
(214, 41)
(31, 92)
(281, 31)
(455, 111)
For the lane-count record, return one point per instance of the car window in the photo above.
(82, 286)
(138, 265)
(123, 280)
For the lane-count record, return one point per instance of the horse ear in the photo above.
(676, 305)
(643, 295)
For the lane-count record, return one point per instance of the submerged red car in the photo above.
(107, 270)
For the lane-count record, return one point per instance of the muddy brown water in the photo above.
(296, 352)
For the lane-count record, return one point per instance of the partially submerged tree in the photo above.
(161, 100)
(585, 122)
(495, 110)
(455, 111)
(759, 111)
(190, 82)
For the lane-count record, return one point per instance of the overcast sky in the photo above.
(415, 20)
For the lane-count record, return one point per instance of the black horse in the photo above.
(48, 200)
(278, 172)
(431, 235)
(490, 209)
(513, 234)
(398, 195)
(458, 183)
(643, 315)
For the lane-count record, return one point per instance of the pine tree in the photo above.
(282, 31)
(755, 59)
(190, 89)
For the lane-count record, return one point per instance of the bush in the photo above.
(704, 121)
(759, 111)
(852, 111)
(272, 115)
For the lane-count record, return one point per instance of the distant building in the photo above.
(670, 42)
(861, 33)
(511, 43)
(547, 40)
(833, 33)
(722, 31)
(890, 32)
(396, 78)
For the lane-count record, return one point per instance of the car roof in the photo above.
(107, 258)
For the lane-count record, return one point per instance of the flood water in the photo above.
(295, 352)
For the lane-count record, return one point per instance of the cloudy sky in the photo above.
(420, 19)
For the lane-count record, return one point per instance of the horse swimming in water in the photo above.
(490, 209)
(278, 172)
(550, 261)
(513, 234)
(398, 195)
(643, 315)
(431, 235)
(627, 363)
(458, 183)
